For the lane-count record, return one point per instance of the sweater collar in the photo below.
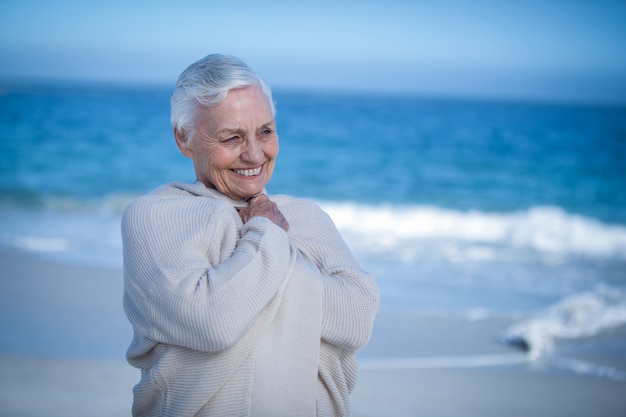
(197, 188)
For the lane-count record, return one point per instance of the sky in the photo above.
(563, 50)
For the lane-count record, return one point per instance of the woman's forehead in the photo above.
(241, 101)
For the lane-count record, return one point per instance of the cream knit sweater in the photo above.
(234, 319)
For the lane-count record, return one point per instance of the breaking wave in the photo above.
(548, 230)
(581, 315)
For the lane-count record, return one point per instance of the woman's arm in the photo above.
(193, 279)
(350, 295)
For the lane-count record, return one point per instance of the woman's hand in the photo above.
(261, 205)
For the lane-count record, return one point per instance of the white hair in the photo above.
(206, 83)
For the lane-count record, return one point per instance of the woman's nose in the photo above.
(253, 152)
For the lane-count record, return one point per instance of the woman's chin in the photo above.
(247, 192)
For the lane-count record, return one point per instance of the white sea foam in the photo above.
(83, 233)
(472, 235)
(40, 244)
(581, 315)
(587, 368)
(443, 362)
(481, 361)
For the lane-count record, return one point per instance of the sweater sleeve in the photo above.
(350, 295)
(192, 278)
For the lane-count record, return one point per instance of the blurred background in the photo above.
(538, 50)
(471, 153)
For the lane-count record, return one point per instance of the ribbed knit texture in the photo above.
(204, 294)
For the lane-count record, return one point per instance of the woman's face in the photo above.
(235, 144)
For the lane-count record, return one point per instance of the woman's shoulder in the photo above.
(288, 203)
(173, 199)
(301, 210)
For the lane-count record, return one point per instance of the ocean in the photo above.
(459, 207)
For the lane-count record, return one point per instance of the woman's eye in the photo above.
(232, 139)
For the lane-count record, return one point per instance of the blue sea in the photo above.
(461, 207)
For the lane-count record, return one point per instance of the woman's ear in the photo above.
(182, 141)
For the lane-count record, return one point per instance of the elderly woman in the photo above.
(241, 304)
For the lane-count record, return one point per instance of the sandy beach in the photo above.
(65, 335)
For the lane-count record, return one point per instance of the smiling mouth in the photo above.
(248, 172)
